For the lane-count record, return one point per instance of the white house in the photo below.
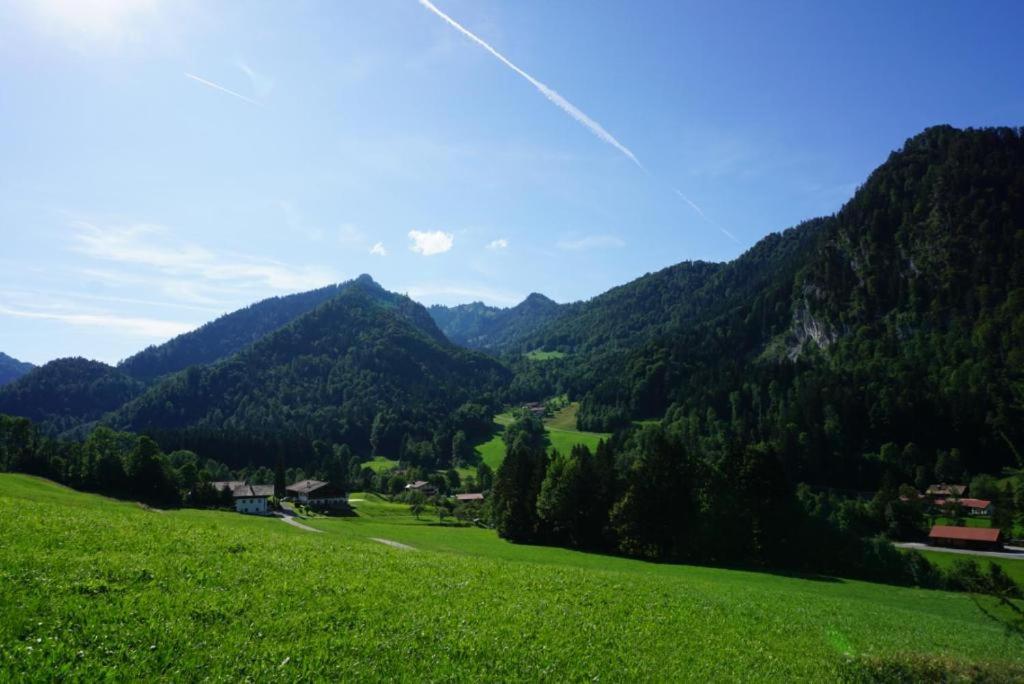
(252, 498)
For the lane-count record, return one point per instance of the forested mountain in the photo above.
(367, 369)
(493, 329)
(65, 393)
(893, 328)
(228, 334)
(11, 369)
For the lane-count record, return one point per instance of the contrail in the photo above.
(559, 101)
(221, 88)
(705, 216)
(567, 107)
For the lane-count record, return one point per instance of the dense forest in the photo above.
(496, 330)
(367, 369)
(11, 369)
(667, 492)
(898, 322)
(65, 393)
(225, 336)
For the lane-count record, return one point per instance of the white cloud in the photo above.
(140, 327)
(192, 269)
(379, 249)
(500, 243)
(429, 243)
(592, 242)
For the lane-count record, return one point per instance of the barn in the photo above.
(974, 538)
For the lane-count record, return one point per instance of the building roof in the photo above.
(418, 484)
(966, 503)
(230, 485)
(305, 486)
(247, 491)
(986, 534)
(944, 489)
(469, 497)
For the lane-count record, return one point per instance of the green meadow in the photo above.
(561, 430)
(541, 355)
(95, 589)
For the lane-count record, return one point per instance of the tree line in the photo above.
(670, 493)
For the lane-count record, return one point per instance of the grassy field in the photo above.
(380, 464)
(93, 589)
(1013, 568)
(541, 355)
(562, 433)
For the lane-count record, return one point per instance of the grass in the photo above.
(541, 355)
(1013, 568)
(380, 464)
(94, 589)
(968, 521)
(561, 429)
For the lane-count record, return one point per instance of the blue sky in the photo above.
(165, 162)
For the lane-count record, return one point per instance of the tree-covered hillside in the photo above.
(493, 329)
(11, 369)
(365, 369)
(223, 337)
(894, 327)
(65, 393)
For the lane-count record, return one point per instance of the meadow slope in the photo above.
(92, 588)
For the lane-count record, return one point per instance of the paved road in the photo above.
(1011, 552)
(295, 523)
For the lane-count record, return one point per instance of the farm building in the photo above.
(318, 494)
(469, 497)
(253, 498)
(946, 490)
(976, 538)
(229, 485)
(981, 507)
(535, 408)
(421, 486)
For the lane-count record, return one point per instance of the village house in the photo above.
(421, 486)
(978, 507)
(469, 497)
(252, 499)
(975, 538)
(535, 408)
(945, 491)
(318, 494)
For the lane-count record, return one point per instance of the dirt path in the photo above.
(295, 523)
(394, 544)
(1011, 553)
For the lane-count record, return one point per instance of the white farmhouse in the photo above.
(252, 498)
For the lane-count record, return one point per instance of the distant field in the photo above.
(1013, 568)
(561, 429)
(540, 355)
(93, 589)
(380, 464)
(968, 522)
